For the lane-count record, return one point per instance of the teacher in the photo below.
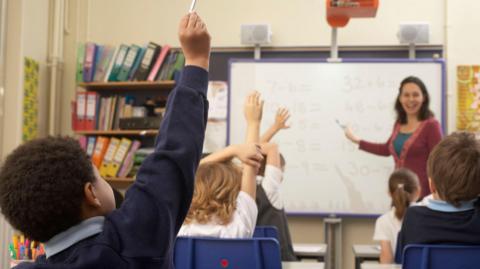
(414, 135)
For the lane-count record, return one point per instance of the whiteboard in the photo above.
(326, 173)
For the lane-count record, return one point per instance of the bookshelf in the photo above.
(128, 86)
(120, 132)
(121, 94)
(120, 182)
(138, 89)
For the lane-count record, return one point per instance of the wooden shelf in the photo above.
(119, 132)
(128, 85)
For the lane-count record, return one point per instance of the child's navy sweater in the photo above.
(141, 234)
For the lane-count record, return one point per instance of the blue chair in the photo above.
(266, 231)
(441, 257)
(212, 253)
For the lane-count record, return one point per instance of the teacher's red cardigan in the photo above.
(415, 151)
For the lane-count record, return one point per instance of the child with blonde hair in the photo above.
(404, 189)
(223, 204)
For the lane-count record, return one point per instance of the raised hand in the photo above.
(253, 108)
(195, 40)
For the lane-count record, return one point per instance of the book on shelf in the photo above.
(114, 157)
(89, 62)
(136, 64)
(80, 59)
(98, 62)
(158, 63)
(108, 157)
(151, 53)
(128, 63)
(104, 57)
(101, 146)
(118, 62)
(128, 162)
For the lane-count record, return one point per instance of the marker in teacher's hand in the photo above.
(343, 126)
(192, 6)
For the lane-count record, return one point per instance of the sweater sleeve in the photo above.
(156, 204)
(376, 148)
(434, 134)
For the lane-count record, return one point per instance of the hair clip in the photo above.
(400, 186)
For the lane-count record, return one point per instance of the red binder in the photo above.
(158, 63)
(91, 111)
(81, 109)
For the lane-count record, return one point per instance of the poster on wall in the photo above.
(216, 133)
(30, 100)
(468, 103)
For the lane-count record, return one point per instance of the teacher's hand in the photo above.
(351, 136)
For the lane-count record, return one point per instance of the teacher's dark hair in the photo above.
(424, 112)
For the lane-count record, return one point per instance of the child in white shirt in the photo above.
(223, 203)
(404, 189)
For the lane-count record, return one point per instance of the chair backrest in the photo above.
(213, 253)
(441, 257)
(266, 231)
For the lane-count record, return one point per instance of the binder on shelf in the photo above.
(91, 111)
(111, 64)
(128, 162)
(114, 166)
(74, 120)
(136, 64)
(81, 110)
(167, 65)
(90, 146)
(178, 66)
(82, 140)
(117, 65)
(112, 148)
(89, 62)
(104, 56)
(151, 54)
(80, 59)
(128, 63)
(158, 63)
(99, 151)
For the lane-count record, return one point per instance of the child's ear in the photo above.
(90, 197)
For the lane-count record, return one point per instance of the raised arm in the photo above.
(156, 204)
(253, 114)
(248, 153)
(280, 123)
(375, 148)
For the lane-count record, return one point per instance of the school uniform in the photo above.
(387, 227)
(242, 224)
(271, 210)
(142, 232)
(438, 222)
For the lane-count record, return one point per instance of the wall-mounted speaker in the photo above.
(414, 32)
(253, 34)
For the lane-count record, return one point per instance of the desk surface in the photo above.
(303, 265)
(313, 250)
(367, 265)
(366, 251)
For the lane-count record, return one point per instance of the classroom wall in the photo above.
(26, 36)
(294, 23)
(462, 44)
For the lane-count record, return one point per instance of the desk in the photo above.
(303, 265)
(365, 253)
(367, 265)
(310, 251)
